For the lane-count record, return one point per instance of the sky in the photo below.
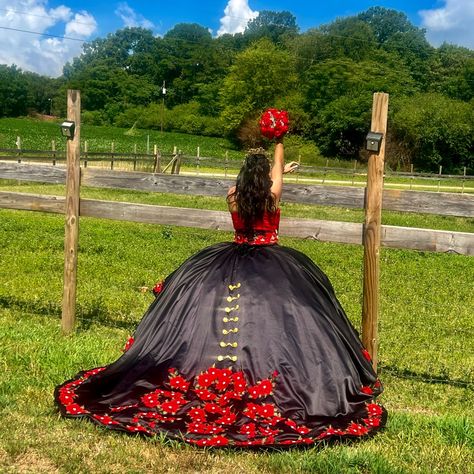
(77, 21)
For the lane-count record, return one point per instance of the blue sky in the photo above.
(444, 20)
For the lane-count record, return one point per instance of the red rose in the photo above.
(366, 354)
(171, 406)
(75, 409)
(374, 410)
(205, 395)
(197, 414)
(212, 408)
(158, 288)
(204, 380)
(219, 441)
(179, 383)
(367, 390)
(303, 430)
(373, 422)
(248, 429)
(274, 123)
(266, 411)
(227, 418)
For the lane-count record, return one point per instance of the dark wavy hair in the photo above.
(252, 193)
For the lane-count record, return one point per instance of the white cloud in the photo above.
(81, 26)
(131, 18)
(39, 53)
(237, 14)
(452, 23)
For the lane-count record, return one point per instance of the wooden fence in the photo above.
(176, 159)
(346, 232)
(444, 204)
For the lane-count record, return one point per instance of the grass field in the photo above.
(426, 340)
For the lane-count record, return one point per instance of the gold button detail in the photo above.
(225, 331)
(234, 287)
(232, 358)
(228, 344)
(232, 298)
(230, 320)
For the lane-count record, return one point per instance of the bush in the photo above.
(435, 130)
(93, 117)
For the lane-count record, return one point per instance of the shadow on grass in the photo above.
(425, 377)
(94, 314)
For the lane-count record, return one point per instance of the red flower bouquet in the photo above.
(274, 123)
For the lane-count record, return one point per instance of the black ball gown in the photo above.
(245, 344)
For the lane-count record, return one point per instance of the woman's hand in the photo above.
(290, 167)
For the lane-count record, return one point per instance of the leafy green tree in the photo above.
(386, 23)
(272, 25)
(435, 130)
(331, 79)
(452, 71)
(13, 92)
(259, 75)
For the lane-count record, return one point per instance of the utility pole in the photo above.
(163, 93)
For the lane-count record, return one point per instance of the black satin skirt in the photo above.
(244, 345)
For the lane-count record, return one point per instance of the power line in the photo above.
(42, 34)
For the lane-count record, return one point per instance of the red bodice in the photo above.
(263, 232)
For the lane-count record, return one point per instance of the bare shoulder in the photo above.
(231, 191)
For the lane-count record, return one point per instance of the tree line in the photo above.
(191, 82)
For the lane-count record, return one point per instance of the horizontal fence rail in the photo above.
(15, 154)
(325, 231)
(445, 204)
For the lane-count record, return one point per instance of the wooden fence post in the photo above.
(18, 145)
(72, 213)
(156, 152)
(112, 157)
(372, 229)
(135, 157)
(178, 162)
(53, 151)
(85, 153)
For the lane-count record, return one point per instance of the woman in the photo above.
(245, 344)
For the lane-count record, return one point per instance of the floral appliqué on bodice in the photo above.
(263, 232)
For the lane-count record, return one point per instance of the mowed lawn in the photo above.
(426, 347)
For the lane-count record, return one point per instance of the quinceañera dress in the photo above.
(245, 345)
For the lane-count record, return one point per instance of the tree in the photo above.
(386, 22)
(272, 25)
(435, 130)
(13, 92)
(259, 75)
(452, 71)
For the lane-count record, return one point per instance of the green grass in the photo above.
(426, 332)
(36, 134)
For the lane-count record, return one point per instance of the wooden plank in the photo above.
(372, 230)
(32, 202)
(71, 228)
(428, 240)
(36, 173)
(324, 231)
(448, 204)
(150, 214)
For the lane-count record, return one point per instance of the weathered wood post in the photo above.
(85, 153)
(372, 229)
(112, 150)
(72, 213)
(53, 151)
(157, 154)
